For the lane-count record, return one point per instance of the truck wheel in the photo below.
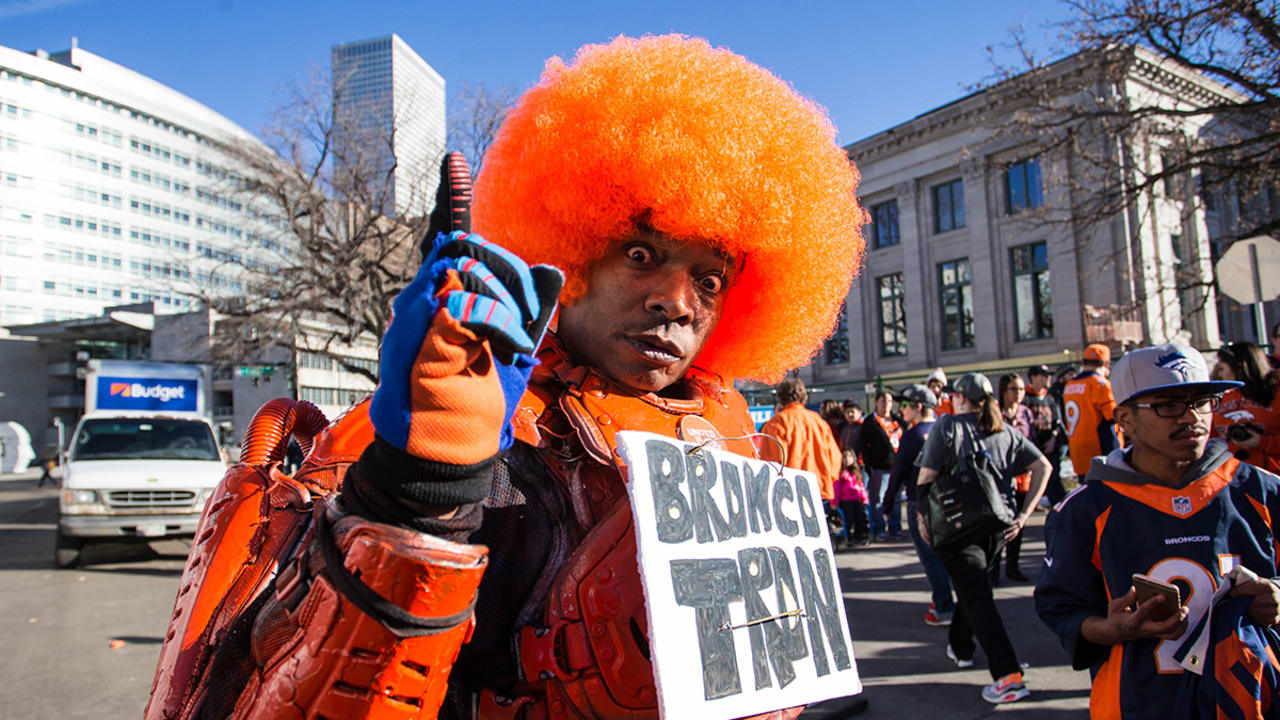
(67, 551)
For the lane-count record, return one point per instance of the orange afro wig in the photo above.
(700, 143)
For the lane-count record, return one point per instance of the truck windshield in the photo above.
(144, 439)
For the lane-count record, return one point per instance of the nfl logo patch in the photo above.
(1182, 505)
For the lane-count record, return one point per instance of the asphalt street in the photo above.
(83, 643)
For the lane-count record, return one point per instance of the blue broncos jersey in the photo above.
(1105, 531)
(1240, 675)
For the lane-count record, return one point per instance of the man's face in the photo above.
(884, 404)
(853, 414)
(1180, 438)
(651, 303)
(910, 411)
(936, 387)
(1039, 382)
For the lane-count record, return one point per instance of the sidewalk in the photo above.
(902, 661)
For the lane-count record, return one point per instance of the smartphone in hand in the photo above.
(1149, 587)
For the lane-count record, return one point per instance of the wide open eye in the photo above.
(712, 282)
(639, 253)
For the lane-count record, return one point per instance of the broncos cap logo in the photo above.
(1178, 363)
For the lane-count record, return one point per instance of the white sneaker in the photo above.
(1007, 689)
(959, 663)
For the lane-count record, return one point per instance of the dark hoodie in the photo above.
(1122, 522)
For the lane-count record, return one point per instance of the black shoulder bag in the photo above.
(964, 503)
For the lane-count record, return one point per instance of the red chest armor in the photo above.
(590, 658)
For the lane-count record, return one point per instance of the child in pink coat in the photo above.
(851, 497)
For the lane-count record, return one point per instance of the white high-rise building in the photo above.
(112, 190)
(389, 108)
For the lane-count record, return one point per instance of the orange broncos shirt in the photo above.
(945, 407)
(1236, 408)
(1087, 403)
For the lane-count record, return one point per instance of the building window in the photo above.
(893, 315)
(836, 349)
(957, 304)
(314, 361)
(884, 225)
(1032, 303)
(1022, 186)
(948, 206)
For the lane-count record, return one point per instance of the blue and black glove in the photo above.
(455, 362)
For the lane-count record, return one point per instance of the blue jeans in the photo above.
(876, 482)
(934, 570)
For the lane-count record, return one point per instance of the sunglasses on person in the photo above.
(1178, 408)
(908, 404)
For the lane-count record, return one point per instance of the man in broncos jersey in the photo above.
(1088, 403)
(1175, 506)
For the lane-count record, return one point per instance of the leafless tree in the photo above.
(475, 114)
(1138, 124)
(320, 255)
(1224, 140)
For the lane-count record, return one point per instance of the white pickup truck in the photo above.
(134, 471)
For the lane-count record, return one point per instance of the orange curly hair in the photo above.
(700, 143)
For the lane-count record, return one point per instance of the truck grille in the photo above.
(150, 498)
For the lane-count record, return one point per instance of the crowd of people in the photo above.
(461, 545)
(1094, 424)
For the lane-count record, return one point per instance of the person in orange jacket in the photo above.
(462, 544)
(937, 384)
(1087, 404)
(804, 439)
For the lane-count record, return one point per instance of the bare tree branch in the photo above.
(1157, 101)
(320, 259)
(475, 114)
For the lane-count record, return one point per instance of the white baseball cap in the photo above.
(1161, 367)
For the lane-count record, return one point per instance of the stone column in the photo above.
(1199, 264)
(861, 332)
(912, 230)
(1068, 250)
(983, 267)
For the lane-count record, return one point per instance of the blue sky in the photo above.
(871, 64)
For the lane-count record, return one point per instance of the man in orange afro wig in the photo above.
(702, 223)
(696, 143)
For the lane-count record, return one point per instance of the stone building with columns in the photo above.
(973, 261)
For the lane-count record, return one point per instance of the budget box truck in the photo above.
(142, 460)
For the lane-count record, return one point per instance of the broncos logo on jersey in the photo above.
(1237, 416)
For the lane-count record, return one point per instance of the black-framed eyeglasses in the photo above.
(1178, 408)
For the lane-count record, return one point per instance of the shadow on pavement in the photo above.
(145, 571)
(139, 639)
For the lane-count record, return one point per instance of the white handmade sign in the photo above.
(745, 609)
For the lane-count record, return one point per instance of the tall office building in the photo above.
(113, 190)
(389, 109)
